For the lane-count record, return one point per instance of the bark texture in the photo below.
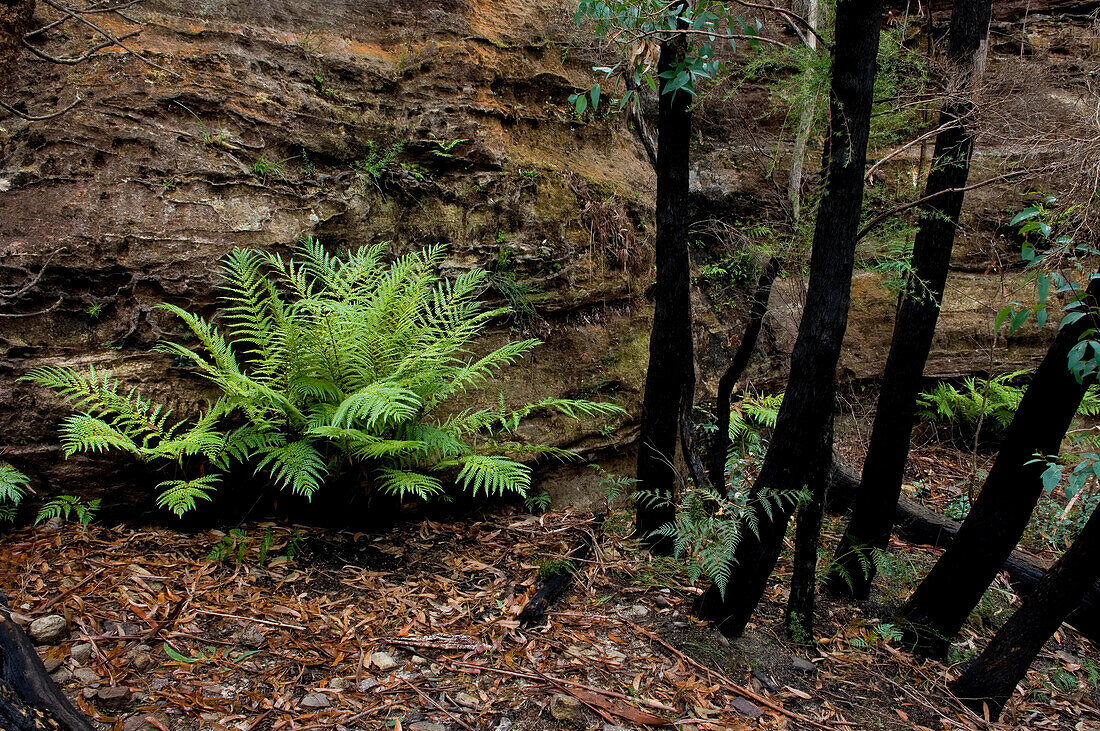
(800, 450)
(942, 602)
(671, 372)
(873, 512)
(992, 677)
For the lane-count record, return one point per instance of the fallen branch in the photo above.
(553, 587)
(919, 524)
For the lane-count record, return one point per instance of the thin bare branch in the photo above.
(37, 118)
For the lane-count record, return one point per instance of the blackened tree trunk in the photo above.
(872, 515)
(992, 677)
(937, 609)
(800, 450)
(671, 360)
(759, 307)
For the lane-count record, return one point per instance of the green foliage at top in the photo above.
(13, 488)
(326, 363)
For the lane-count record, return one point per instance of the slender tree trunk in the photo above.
(808, 10)
(800, 450)
(937, 609)
(671, 360)
(759, 307)
(853, 567)
(992, 677)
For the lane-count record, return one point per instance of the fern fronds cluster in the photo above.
(325, 362)
(13, 488)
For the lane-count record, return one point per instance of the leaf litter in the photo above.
(417, 629)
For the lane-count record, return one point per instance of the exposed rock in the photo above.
(427, 726)
(143, 661)
(339, 684)
(51, 664)
(114, 697)
(146, 722)
(504, 724)
(467, 700)
(251, 637)
(61, 676)
(565, 707)
(803, 665)
(315, 700)
(49, 630)
(81, 652)
(86, 675)
(366, 685)
(382, 661)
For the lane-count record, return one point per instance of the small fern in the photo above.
(13, 488)
(326, 363)
(64, 507)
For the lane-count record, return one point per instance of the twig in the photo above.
(252, 619)
(39, 117)
(906, 206)
(58, 597)
(106, 34)
(428, 698)
(729, 684)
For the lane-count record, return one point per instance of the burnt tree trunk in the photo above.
(671, 360)
(992, 677)
(759, 307)
(800, 450)
(29, 698)
(941, 603)
(919, 309)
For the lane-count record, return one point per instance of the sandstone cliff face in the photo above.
(437, 121)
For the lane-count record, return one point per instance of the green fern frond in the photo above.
(376, 405)
(492, 475)
(85, 433)
(13, 484)
(403, 483)
(182, 496)
(296, 466)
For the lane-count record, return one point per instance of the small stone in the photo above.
(143, 661)
(115, 697)
(427, 726)
(639, 610)
(609, 727)
(51, 664)
(315, 700)
(803, 665)
(61, 676)
(49, 630)
(662, 602)
(367, 685)
(467, 700)
(339, 684)
(82, 652)
(565, 707)
(504, 724)
(86, 675)
(251, 637)
(89, 693)
(382, 661)
(214, 690)
(418, 660)
(146, 722)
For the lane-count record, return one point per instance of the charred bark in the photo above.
(919, 309)
(759, 307)
(992, 677)
(29, 698)
(918, 524)
(671, 359)
(942, 602)
(800, 450)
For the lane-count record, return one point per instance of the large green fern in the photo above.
(13, 487)
(326, 363)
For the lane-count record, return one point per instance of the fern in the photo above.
(63, 507)
(327, 362)
(13, 488)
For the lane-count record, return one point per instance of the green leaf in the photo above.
(595, 94)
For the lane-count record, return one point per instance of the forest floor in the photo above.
(283, 627)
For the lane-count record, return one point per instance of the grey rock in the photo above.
(467, 700)
(143, 661)
(115, 697)
(251, 637)
(49, 630)
(146, 722)
(382, 661)
(81, 652)
(504, 724)
(339, 684)
(213, 690)
(803, 665)
(427, 726)
(565, 707)
(62, 676)
(315, 700)
(89, 693)
(86, 675)
(609, 727)
(639, 610)
(367, 685)
(51, 664)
